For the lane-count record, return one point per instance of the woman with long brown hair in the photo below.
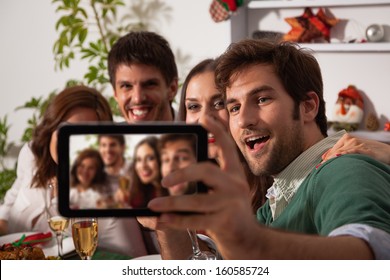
(23, 207)
(145, 173)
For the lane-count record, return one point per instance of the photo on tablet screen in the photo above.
(115, 170)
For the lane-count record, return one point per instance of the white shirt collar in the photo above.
(287, 182)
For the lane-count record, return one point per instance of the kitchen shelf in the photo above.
(270, 4)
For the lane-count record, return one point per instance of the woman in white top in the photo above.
(23, 207)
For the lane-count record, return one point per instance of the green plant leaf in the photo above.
(7, 178)
(114, 106)
(73, 82)
(32, 103)
(60, 21)
(83, 12)
(4, 145)
(83, 35)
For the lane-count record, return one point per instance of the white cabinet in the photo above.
(355, 16)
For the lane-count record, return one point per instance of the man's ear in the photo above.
(309, 107)
(173, 87)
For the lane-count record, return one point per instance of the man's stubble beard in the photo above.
(277, 157)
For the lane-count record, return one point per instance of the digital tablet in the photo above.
(90, 182)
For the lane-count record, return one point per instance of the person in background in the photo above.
(23, 207)
(199, 97)
(144, 77)
(112, 150)
(338, 210)
(87, 180)
(145, 173)
(143, 74)
(177, 151)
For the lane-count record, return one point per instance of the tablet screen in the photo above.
(115, 170)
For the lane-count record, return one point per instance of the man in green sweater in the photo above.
(337, 210)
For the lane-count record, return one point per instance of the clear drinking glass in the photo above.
(197, 254)
(57, 223)
(85, 236)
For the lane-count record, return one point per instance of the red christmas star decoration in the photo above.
(308, 26)
(387, 126)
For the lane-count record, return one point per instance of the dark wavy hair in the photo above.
(143, 47)
(100, 177)
(120, 138)
(174, 137)
(56, 112)
(297, 69)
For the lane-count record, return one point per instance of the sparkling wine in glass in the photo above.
(85, 236)
(57, 223)
(124, 187)
(197, 254)
(124, 183)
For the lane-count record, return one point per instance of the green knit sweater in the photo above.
(345, 190)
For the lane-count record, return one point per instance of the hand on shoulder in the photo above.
(352, 145)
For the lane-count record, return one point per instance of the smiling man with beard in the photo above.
(337, 210)
(144, 77)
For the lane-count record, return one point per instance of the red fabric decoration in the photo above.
(218, 12)
(221, 10)
(231, 4)
(308, 26)
(351, 92)
(33, 239)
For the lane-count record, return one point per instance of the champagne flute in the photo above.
(197, 254)
(124, 183)
(124, 186)
(85, 236)
(57, 223)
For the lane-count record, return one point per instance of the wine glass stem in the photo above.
(194, 242)
(59, 238)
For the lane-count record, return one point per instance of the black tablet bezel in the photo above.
(67, 130)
